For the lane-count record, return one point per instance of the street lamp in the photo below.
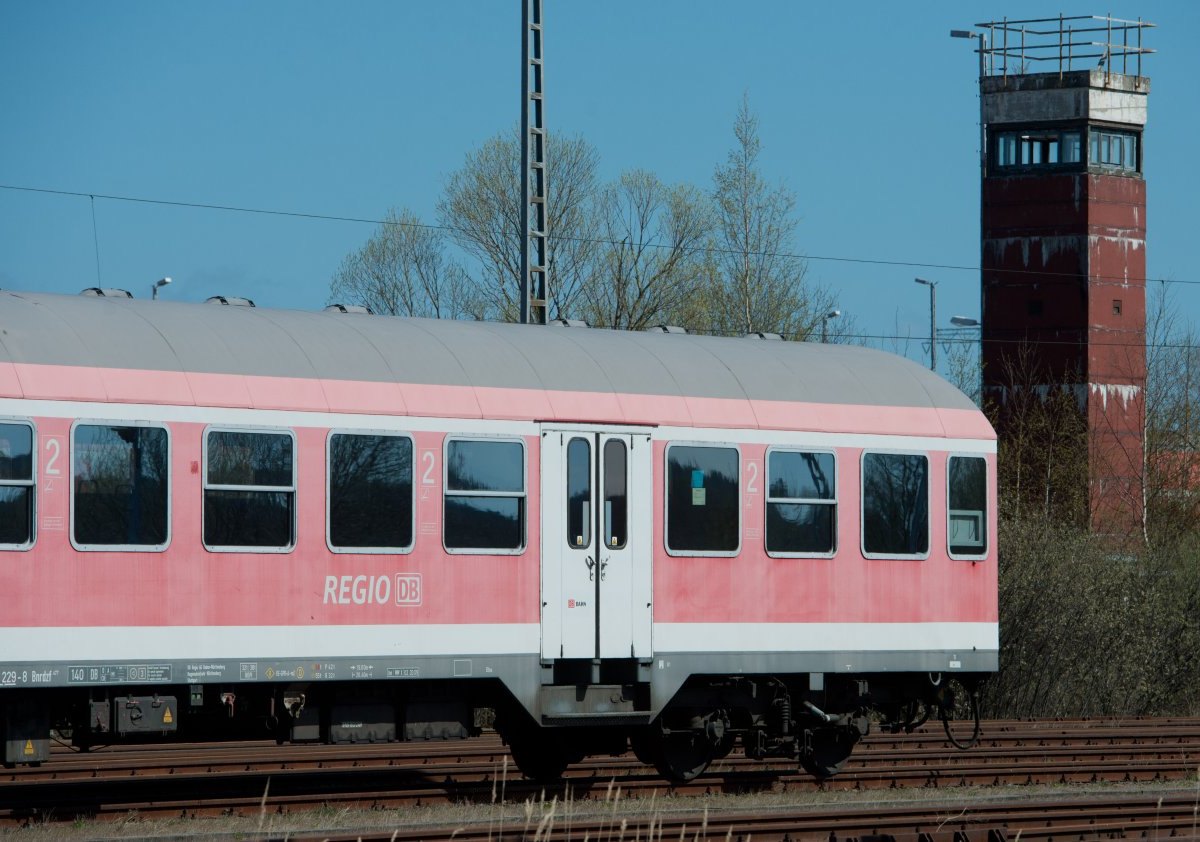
(932, 321)
(161, 282)
(983, 140)
(832, 314)
(982, 36)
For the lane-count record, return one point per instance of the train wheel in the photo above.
(539, 756)
(723, 746)
(828, 751)
(641, 742)
(682, 755)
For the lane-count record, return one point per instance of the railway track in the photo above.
(259, 778)
(1172, 816)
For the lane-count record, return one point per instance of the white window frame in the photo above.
(206, 487)
(123, 548)
(334, 548)
(31, 483)
(987, 502)
(719, 445)
(768, 499)
(590, 441)
(523, 494)
(862, 502)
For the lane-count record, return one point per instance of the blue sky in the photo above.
(867, 112)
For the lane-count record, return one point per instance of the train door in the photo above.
(597, 527)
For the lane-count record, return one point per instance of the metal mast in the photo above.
(534, 287)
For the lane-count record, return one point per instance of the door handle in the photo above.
(603, 567)
(591, 566)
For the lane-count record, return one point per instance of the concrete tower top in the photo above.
(1071, 95)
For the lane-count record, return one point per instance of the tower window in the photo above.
(1035, 307)
(1116, 306)
(1113, 150)
(1041, 148)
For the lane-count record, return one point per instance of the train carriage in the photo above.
(229, 521)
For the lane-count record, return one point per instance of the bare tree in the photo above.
(756, 282)
(402, 270)
(481, 208)
(651, 261)
(1043, 447)
(963, 365)
(1172, 421)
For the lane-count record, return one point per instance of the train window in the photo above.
(120, 487)
(16, 485)
(895, 505)
(966, 518)
(249, 490)
(702, 500)
(579, 492)
(616, 493)
(801, 503)
(370, 492)
(485, 496)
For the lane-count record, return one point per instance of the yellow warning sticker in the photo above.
(167, 716)
(29, 747)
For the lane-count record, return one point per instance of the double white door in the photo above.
(597, 523)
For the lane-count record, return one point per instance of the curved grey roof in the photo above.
(173, 336)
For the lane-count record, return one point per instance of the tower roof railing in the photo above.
(1065, 43)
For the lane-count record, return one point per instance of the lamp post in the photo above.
(982, 36)
(932, 320)
(832, 314)
(983, 156)
(161, 282)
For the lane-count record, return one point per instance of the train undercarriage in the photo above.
(813, 721)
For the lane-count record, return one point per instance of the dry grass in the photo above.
(623, 819)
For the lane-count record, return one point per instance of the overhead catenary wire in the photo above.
(1049, 276)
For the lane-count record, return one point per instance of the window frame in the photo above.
(1100, 132)
(862, 503)
(987, 507)
(31, 484)
(1042, 137)
(522, 495)
(666, 473)
(123, 548)
(205, 487)
(768, 499)
(333, 548)
(605, 509)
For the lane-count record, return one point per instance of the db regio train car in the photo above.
(231, 522)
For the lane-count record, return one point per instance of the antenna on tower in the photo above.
(534, 286)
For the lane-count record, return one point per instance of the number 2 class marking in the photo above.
(54, 449)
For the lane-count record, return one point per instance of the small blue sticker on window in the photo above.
(697, 479)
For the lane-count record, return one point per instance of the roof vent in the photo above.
(107, 292)
(568, 323)
(231, 300)
(349, 308)
(666, 329)
(760, 335)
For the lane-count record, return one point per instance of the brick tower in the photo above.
(1063, 229)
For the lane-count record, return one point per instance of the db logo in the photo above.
(570, 603)
(408, 588)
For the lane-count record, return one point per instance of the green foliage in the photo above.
(1086, 631)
